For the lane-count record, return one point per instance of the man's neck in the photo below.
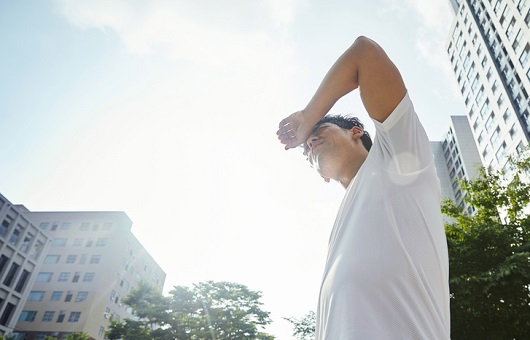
(351, 170)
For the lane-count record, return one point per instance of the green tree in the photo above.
(207, 310)
(304, 328)
(489, 253)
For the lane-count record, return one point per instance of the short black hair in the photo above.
(346, 122)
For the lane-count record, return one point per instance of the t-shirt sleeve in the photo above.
(402, 141)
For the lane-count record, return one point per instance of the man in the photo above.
(386, 274)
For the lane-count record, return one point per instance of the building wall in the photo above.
(441, 169)
(93, 262)
(456, 158)
(22, 249)
(489, 50)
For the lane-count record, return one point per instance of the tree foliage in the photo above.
(489, 254)
(207, 310)
(304, 328)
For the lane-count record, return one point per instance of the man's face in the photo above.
(327, 148)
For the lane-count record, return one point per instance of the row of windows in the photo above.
(57, 296)
(78, 242)
(67, 226)
(48, 316)
(72, 259)
(16, 237)
(65, 276)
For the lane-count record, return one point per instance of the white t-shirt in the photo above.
(387, 272)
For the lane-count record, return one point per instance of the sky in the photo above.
(168, 110)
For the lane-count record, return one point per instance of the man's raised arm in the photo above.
(363, 65)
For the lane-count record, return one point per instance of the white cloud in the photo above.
(434, 18)
(207, 32)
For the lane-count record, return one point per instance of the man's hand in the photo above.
(295, 129)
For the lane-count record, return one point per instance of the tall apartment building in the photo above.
(489, 49)
(93, 262)
(22, 248)
(456, 157)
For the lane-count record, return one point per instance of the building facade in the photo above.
(489, 49)
(22, 248)
(456, 158)
(92, 263)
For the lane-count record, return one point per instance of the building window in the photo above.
(509, 29)
(485, 108)
(35, 296)
(44, 225)
(6, 315)
(22, 281)
(101, 242)
(475, 83)
(3, 262)
(64, 276)
(525, 56)
(89, 277)
(78, 242)
(81, 296)
(471, 73)
(59, 242)
(506, 115)
(500, 101)
(89, 243)
(65, 225)
(52, 259)
(84, 226)
(76, 277)
(95, 259)
(513, 131)
(16, 235)
(74, 316)
(27, 315)
(501, 152)
(521, 5)
(480, 137)
(11, 274)
(56, 296)
(486, 151)
(101, 331)
(480, 95)
(69, 296)
(495, 136)
(61, 316)
(489, 122)
(48, 316)
(71, 259)
(5, 225)
(517, 41)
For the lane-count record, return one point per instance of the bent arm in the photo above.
(364, 65)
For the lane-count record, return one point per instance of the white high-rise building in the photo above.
(489, 49)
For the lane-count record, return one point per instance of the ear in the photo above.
(326, 179)
(357, 132)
